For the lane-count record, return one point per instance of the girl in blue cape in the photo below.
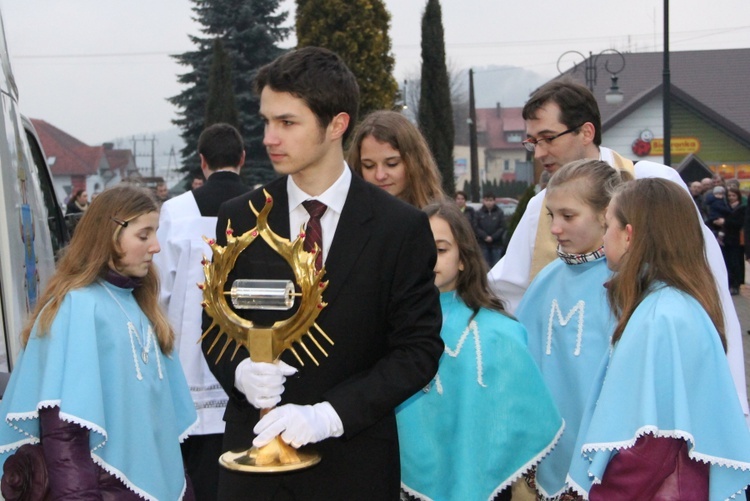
(565, 308)
(487, 417)
(663, 421)
(97, 401)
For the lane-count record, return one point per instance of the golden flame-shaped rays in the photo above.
(265, 344)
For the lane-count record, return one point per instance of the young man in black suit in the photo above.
(383, 310)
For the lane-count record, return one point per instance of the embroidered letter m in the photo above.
(555, 312)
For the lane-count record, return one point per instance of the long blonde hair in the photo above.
(597, 181)
(95, 242)
(423, 180)
(667, 245)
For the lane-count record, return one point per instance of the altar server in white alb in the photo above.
(184, 221)
(563, 124)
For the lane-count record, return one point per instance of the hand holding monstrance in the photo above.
(266, 344)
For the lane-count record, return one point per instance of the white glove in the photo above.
(299, 424)
(262, 383)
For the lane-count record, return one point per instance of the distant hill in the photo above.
(508, 85)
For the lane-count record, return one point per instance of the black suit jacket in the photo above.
(218, 188)
(383, 315)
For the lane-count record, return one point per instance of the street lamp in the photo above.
(590, 64)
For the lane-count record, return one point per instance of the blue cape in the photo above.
(86, 366)
(667, 375)
(486, 418)
(566, 314)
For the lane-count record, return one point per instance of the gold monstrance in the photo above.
(265, 344)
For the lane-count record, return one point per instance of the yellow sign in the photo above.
(680, 146)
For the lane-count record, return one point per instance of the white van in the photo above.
(32, 228)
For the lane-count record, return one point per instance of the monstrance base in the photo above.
(276, 457)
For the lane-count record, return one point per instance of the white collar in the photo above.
(334, 197)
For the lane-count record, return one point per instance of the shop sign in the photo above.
(648, 145)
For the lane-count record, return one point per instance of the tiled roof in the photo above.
(119, 160)
(496, 122)
(71, 156)
(715, 82)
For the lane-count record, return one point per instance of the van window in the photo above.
(55, 220)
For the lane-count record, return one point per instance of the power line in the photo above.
(468, 45)
(556, 41)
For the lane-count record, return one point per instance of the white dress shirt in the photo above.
(334, 197)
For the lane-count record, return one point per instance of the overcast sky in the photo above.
(101, 70)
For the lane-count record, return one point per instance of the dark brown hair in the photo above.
(577, 105)
(317, 76)
(472, 285)
(221, 146)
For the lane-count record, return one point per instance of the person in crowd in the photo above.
(663, 421)
(716, 209)
(565, 309)
(467, 210)
(709, 194)
(184, 221)
(476, 401)
(489, 226)
(696, 191)
(198, 181)
(735, 183)
(162, 192)
(96, 387)
(730, 225)
(563, 124)
(79, 202)
(387, 150)
(382, 307)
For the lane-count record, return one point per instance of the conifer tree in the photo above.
(357, 30)
(250, 31)
(435, 110)
(221, 106)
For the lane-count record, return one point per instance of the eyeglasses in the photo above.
(531, 143)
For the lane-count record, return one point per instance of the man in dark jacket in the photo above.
(466, 209)
(489, 225)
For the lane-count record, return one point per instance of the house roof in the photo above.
(71, 156)
(496, 122)
(715, 83)
(119, 160)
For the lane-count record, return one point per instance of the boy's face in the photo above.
(294, 140)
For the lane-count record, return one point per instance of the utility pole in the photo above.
(145, 139)
(666, 91)
(473, 141)
(172, 157)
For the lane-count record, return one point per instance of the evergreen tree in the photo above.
(523, 201)
(435, 110)
(250, 32)
(357, 30)
(221, 105)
